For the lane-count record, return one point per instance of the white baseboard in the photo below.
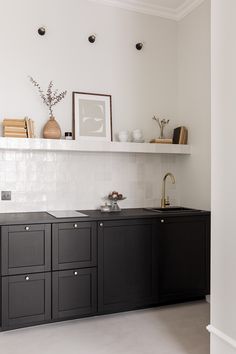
(222, 335)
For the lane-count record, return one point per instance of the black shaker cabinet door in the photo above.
(184, 257)
(25, 249)
(127, 264)
(74, 293)
(26, 299)
(74, 245)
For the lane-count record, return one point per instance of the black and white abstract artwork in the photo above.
(92, 116)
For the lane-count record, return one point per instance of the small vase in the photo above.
(115, 206)
(52, 129)
(161, 132)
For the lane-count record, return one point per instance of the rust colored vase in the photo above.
(52, 129)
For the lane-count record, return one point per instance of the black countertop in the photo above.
(93, 215)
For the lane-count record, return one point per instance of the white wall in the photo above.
(219, 346)
(141, 83)
(223, 288)
(194, 104)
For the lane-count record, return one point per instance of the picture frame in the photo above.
(92, 116)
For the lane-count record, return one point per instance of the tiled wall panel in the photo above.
(72, 180)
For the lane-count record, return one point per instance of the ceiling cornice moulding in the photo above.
(187, 7)
(152, 9)
(140, 6)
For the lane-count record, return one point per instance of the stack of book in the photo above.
(18, 128)
(29, 128)
(180, 135)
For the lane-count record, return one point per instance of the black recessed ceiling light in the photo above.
(139, 46)
(41, 31)
(92, 38)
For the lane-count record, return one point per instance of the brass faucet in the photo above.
(165, 200)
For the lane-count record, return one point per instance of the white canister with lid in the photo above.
(123, 136)
(137, 134)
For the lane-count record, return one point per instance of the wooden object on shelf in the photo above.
(14, 128)
(15, 135)
(13, 123)
(33, 128)
(52, 129)
(30, 128)
(161, 141)
(180, 135)
(18, 128)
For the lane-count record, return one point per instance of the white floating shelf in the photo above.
(91, 146)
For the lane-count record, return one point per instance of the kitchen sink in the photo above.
(172, 209)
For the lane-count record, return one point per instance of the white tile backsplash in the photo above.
(70, 180)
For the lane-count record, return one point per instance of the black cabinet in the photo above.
(85, 268)
(74, 256)
(127, 266)
(26, 299)
(74, 293)
(184, 257)
(74, 245)
(25, 248)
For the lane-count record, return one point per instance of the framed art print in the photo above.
(92, 116)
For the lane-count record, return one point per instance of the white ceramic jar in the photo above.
(123, 136)
(137, 135)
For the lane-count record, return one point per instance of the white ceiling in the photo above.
(171, 9)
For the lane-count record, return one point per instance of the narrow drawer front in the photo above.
(26, 299)
(25, 249)
(74, 293)
(74, 245)
(26, 227)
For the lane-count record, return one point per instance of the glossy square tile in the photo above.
(79, 180)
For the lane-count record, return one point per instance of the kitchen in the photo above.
(169, 77)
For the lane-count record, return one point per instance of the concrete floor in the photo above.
(176, 329)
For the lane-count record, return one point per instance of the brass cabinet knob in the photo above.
(75, 273)
(101, 224)
(162, 220)
(75, 226)
(27, 228)
(27, 278)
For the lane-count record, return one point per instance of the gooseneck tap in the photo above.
(165, 200)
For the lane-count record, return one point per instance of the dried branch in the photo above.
(58, 97)
(162, 122)
(39, 89)
(50, 98)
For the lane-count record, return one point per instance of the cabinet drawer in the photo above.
(74, 293)
(26, 299)
(25, 249)
(74, 245)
